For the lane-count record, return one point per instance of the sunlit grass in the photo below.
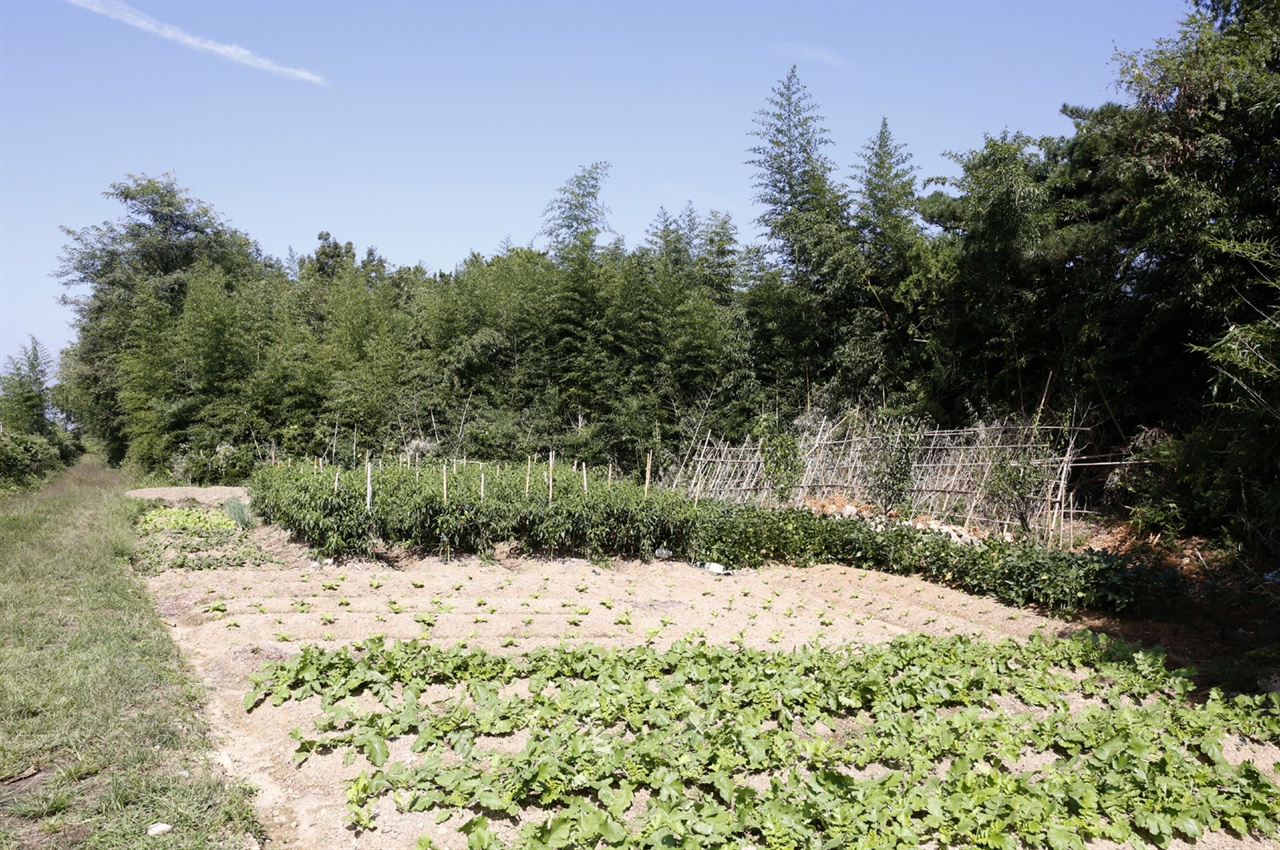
(93, 694)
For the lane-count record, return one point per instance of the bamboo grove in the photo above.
(1126, 271)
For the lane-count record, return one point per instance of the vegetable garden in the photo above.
(468, 509)
(964, 743)
(476, 704)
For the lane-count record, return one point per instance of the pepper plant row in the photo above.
(568, 512)
(957, 741)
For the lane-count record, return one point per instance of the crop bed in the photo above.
(965, 743)
(523, 702)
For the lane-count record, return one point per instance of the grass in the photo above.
(94, 697)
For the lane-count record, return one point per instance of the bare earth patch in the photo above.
(205, 497)
(229, 621)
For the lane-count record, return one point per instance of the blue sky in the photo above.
(430, 130)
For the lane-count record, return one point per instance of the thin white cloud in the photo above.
(807, 53)
(126, 14)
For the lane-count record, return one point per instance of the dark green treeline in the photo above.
(1125, 272)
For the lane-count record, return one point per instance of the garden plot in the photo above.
(229, 621)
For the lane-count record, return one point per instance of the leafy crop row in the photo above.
(446, 511)
(192, 538)
(1050, 743)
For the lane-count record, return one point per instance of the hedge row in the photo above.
(446, 511)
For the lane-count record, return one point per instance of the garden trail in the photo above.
(229, 621)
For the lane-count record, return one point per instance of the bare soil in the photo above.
(229, 621)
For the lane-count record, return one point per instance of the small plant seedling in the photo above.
(262, 609)
(220, 605)
(329, 585)
(232, 624)
(575, 621)
(326, 619)
(507, 641)
(416, 584)
(607, 603)
(375, 582)
(395, 606)
(581, 588)
(526, 620)
(301, 606)
(775, 637)
(305, 577)
(457, 586)
(344, 602)
(623, 619)
(285, 637)
(327, 636)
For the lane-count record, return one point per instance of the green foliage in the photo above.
(410, 507)
(239, 513)
(783, 467)
(25, 458)
(712, 746)
(194, 539)
(94, 691)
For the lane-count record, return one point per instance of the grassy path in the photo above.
(100, 728)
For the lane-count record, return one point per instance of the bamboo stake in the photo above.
(368, 485)
(482, 486)
(584, 480)
(528, 471)
(444, 481)
(648, 469)
(551, 477)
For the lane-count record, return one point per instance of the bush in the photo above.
(25, 458)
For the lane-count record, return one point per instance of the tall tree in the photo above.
(808, 236)
(804, 213)
(135, 271)
(24, 390)
(874, 308)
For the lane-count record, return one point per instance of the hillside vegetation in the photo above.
(1125, 272)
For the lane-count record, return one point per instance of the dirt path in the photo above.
(228, 621)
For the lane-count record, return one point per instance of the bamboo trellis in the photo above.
(1001, 476)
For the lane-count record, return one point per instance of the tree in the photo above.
(24, 394)
(808, 237)
(576, 217)
(874, 308)
(804, 208)
(136, 272)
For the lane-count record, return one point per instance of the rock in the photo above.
(159, 829)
